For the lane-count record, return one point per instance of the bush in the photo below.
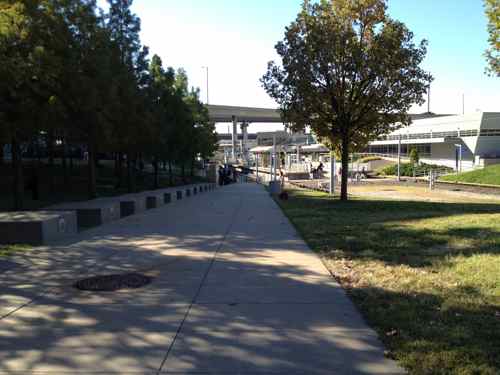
(407, 169)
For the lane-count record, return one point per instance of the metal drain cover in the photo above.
(110, 283)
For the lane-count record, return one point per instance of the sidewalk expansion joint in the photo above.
(193, 302)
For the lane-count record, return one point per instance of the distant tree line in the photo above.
(73, 74)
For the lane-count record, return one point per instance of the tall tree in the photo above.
(124, 27)
(348, 71)
(28, 68)
(493, 53)
(85, 81)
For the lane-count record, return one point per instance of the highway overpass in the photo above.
(225, 113)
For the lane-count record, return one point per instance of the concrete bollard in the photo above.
(36, 227)
(91, 213)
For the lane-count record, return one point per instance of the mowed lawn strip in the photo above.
(489, 176)
(425, 275)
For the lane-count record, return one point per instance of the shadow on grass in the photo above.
(430, 334)
(397, 232)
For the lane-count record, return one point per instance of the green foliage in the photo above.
(488, 175)
(8, 250)
(348, 71)
(493, 53)
(414, 156)
(78, 76)
(407, 169)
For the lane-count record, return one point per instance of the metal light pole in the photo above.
(273, 165)
(257, 165)
(332, 173)
(399, 158)
(206, 68)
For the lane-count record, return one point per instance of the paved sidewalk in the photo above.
(235, 291)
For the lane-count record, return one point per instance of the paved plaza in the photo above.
(235, 290)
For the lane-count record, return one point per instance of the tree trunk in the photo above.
(345, 167)
(92, 183)
(170, 176)
(183, 169)
(119, 169)
(2, 145)
(156, 173)
(71, 161)
(17, 164)
(50, 150)
(129, 174)
(50, 147)
(33, 184)
(66, 175)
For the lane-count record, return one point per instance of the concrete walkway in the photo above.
(235, 291)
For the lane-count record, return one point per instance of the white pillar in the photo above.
(244, 142)
(460, 158)
(234, 136)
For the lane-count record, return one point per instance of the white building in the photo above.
(438, 138)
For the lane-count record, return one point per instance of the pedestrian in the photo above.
(221, 175)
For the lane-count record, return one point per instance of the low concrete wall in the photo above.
(62, 220)
(36, 227)
(91, 213)
(154, 198)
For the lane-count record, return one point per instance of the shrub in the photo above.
(407, 169)
(414, 156)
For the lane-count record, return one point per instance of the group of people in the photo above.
(227, 175)
(317, 173)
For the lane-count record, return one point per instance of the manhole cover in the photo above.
(110, 283)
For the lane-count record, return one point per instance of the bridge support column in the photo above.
(234, 137)
(244, 142)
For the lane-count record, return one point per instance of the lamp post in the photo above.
(399, 158)
(332, 173)
(206, 68)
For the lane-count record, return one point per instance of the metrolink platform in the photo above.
(235, 290)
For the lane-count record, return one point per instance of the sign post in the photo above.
(332, 173)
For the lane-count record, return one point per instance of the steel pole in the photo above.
(273, 164)
(399, 158)
(332, 173)
(257, 165)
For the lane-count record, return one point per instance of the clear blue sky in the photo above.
(236, 40)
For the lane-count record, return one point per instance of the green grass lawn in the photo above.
(425, 275)
(8, 250)
(489, 175)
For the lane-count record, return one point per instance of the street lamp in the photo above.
(459, 165)
(206, 68)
